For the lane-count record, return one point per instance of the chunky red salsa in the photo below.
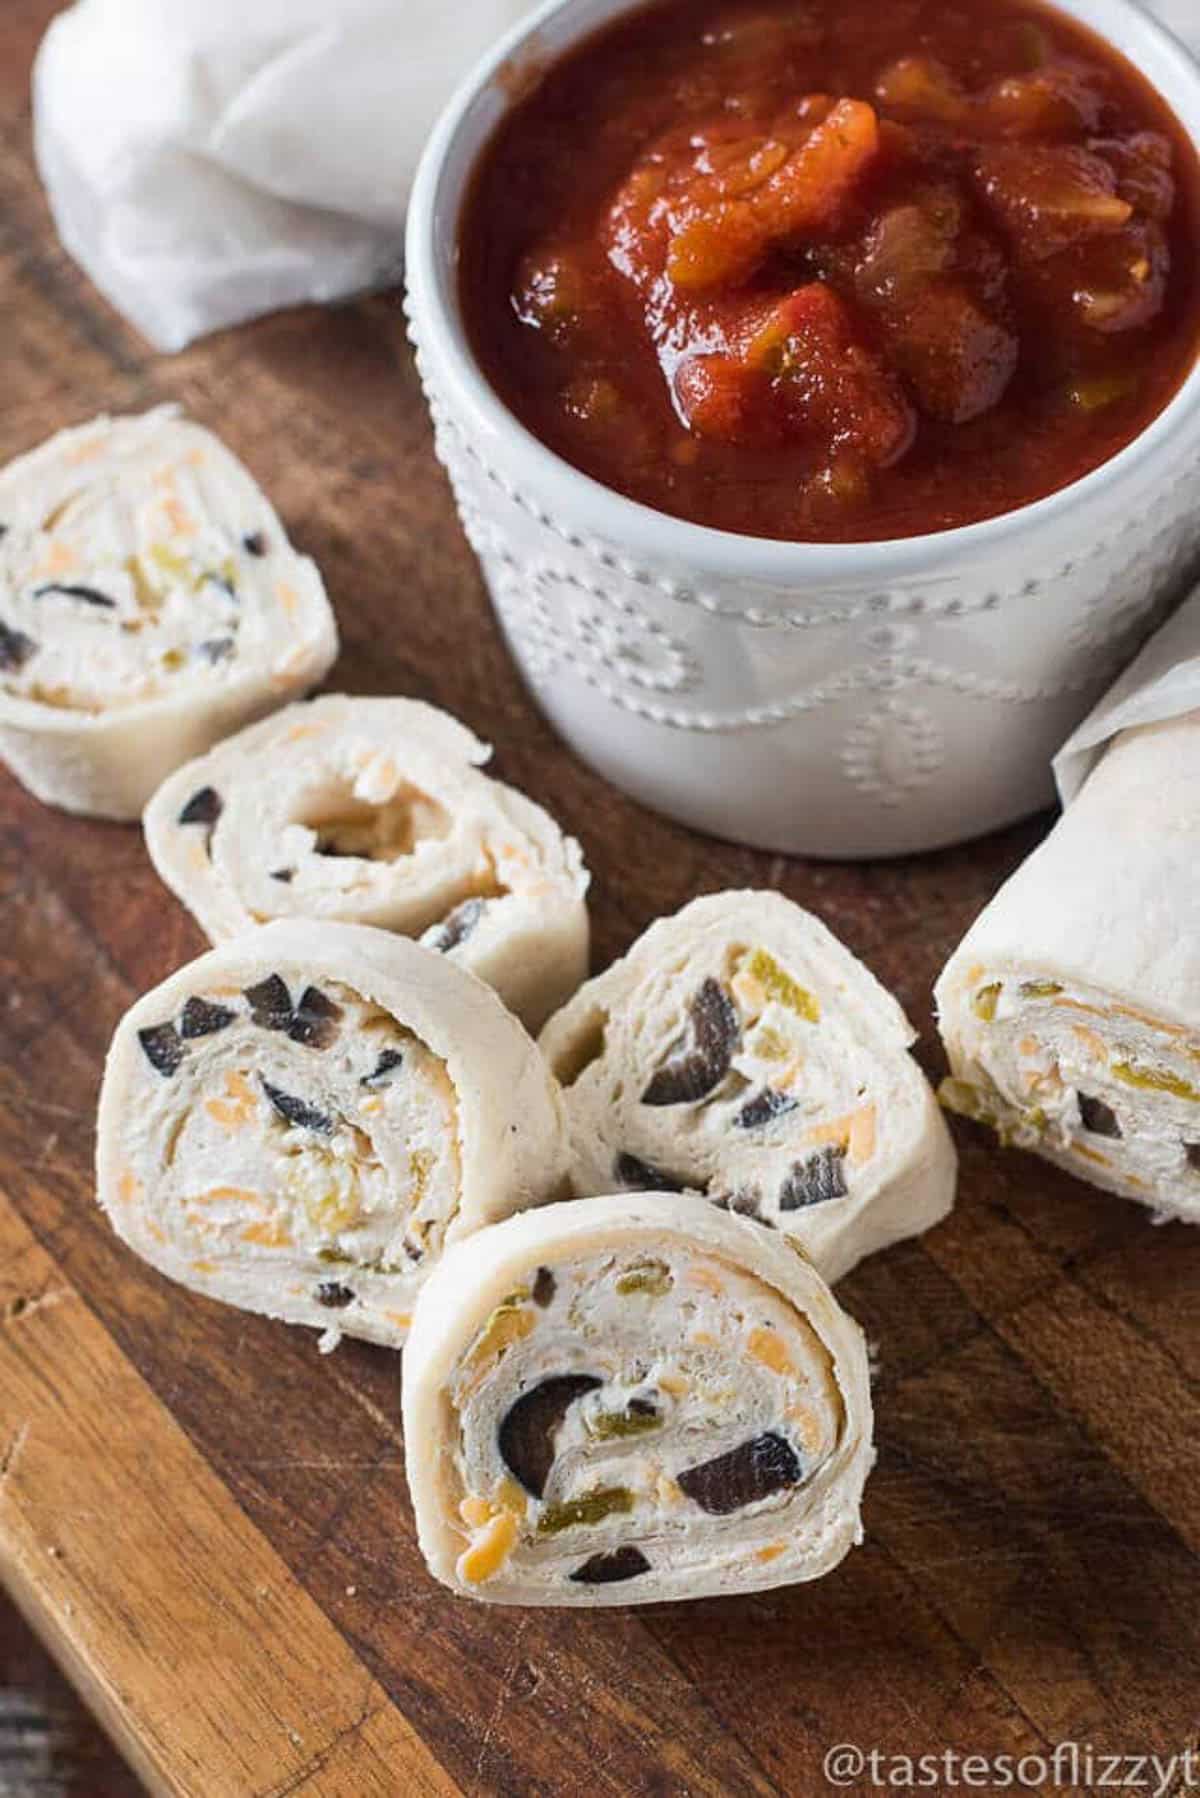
(836, 270)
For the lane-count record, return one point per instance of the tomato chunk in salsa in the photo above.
(836, 270)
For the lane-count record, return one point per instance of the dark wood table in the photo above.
(207, 1524)
(50, 1745)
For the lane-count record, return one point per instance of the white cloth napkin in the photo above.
(210, 160)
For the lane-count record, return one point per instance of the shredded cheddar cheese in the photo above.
(238, 1106)
(767, 1346)
(269, 1233)
(1090, 1154)
(130, 1189)
(488, 1553)
(862, 1135)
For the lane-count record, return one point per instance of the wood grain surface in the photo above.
(208, 1523)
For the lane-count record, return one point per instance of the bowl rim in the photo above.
(544, 479)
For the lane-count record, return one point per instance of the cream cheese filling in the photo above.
(375, 811)
(1076, 1074)
(795, 1109)
(323, 816)
(626, 1412)
(123, 574)
(294, 1137)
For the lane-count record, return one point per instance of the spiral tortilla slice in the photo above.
(373, 811)
(632, 1398)
(1071, 1010)
(741, 1053)
(301, 1121)
(150, 603)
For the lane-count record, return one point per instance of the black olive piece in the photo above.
(15, 649)
(336, 1297)
(91, 596)
(457, 926)
(255, 544)
(162, 1048)
(764, 1465)
(202, 1018)
(1097, 1117)
(715, 1036)
(606, 1570)
(270, 1003)
(815, 1181)
(286, 875)
(315, 1021)
(764, 1108)
(387, 1064)
(203, 807)
(642, 1176)
(743, 1203)
(297, 1111)
(544, 1287)
(527, 1430)
(216, 649)
(1192, 1151)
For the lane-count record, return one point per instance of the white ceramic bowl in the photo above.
(833, 700)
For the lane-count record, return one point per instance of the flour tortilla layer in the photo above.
(632, 1398)
(375, 811)
(1071, 1010)
(301, 1122)
(739, 1052)
(150, 603)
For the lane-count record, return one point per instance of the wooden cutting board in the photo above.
(208, 1523)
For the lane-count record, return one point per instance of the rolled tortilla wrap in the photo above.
(628, 1399)
(1071, 1010)
(740, 1052)
(150, 603)
(373, 811)
(1162, 682)
(301, 1121)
